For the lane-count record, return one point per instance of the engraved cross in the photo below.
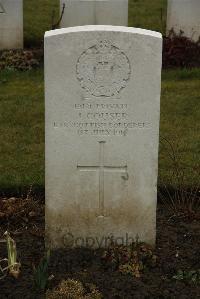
(102, 168)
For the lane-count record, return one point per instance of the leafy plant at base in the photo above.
(132, 259)
(18, 59)
(72, 289)
(180, 51)
(13, 267)
(41, 276)
(192, 276)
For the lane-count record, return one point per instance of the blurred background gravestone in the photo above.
(94, 12)
(183, 16)
(11, 24)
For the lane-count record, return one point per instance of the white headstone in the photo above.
(11, 24)
(102, 130)
(184, 15)
(94, 12)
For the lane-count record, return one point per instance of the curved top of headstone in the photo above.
(91, 28)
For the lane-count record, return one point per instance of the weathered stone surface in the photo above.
(102, 131)
(94, 12)
(11, 24)
(184, 16)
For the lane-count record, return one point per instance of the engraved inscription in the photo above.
(101, 168)
(2, 9)
(103, 70)
(97, 119)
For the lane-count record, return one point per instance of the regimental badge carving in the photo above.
(103, 70)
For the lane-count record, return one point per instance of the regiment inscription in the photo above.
(102, 119)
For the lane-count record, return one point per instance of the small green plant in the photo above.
(41, 276)
(192, 276)
(184, 200)
(131, 259)
(12, 266)
(55, 25)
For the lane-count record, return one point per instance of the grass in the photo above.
(38, 17)
(22, 126)
(21, 130)
(180, 124)
(148, 14)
